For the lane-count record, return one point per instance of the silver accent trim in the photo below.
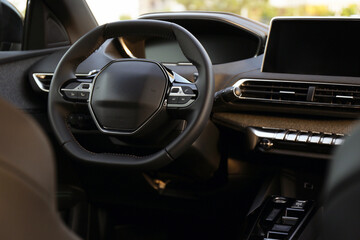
(184, 64)
(242, 81)
(298, 136)
(38, 76)
(302, 137)
(291, 135)
(126, 48)
(342, 96)
(286, 92)
(180, 93)
(79, 88)
(261, 133)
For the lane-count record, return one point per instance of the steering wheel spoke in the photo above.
(182, 96)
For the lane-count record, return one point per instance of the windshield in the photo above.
(259, 10)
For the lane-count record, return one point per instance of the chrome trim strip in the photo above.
(36, 78)
(321, 138)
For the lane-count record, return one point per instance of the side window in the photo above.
(11, 24)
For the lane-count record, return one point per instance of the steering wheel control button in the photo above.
(72, 85)
(72, 95)
(187, 90)
(175, 89)
(85, 86)
(77, 91)
(182, 95)
(173, 100)
(83, 95)
(183, 100)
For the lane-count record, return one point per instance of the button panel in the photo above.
(297, 136)
(77, 91)
(181, 95)
(275, 219)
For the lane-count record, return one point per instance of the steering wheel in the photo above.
(129, 96)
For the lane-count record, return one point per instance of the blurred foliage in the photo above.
(233, 6)
(261, 10)
(352, 9)
(125, 17)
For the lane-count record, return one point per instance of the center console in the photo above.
(279, 218)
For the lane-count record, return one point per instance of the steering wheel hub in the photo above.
(127, 93)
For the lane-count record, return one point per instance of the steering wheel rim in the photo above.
(197, 113)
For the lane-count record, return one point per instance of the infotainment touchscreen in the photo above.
(318, 46)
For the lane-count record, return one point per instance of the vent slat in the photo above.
(342, 95)
(274, 87)
(279, 91)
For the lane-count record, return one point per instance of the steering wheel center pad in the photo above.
(127, 93)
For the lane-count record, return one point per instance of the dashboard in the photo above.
(224, 42)
(298, 95)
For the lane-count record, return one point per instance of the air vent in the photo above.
(306, 93)
(337, 95)
(279, 91)
(43, 80)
